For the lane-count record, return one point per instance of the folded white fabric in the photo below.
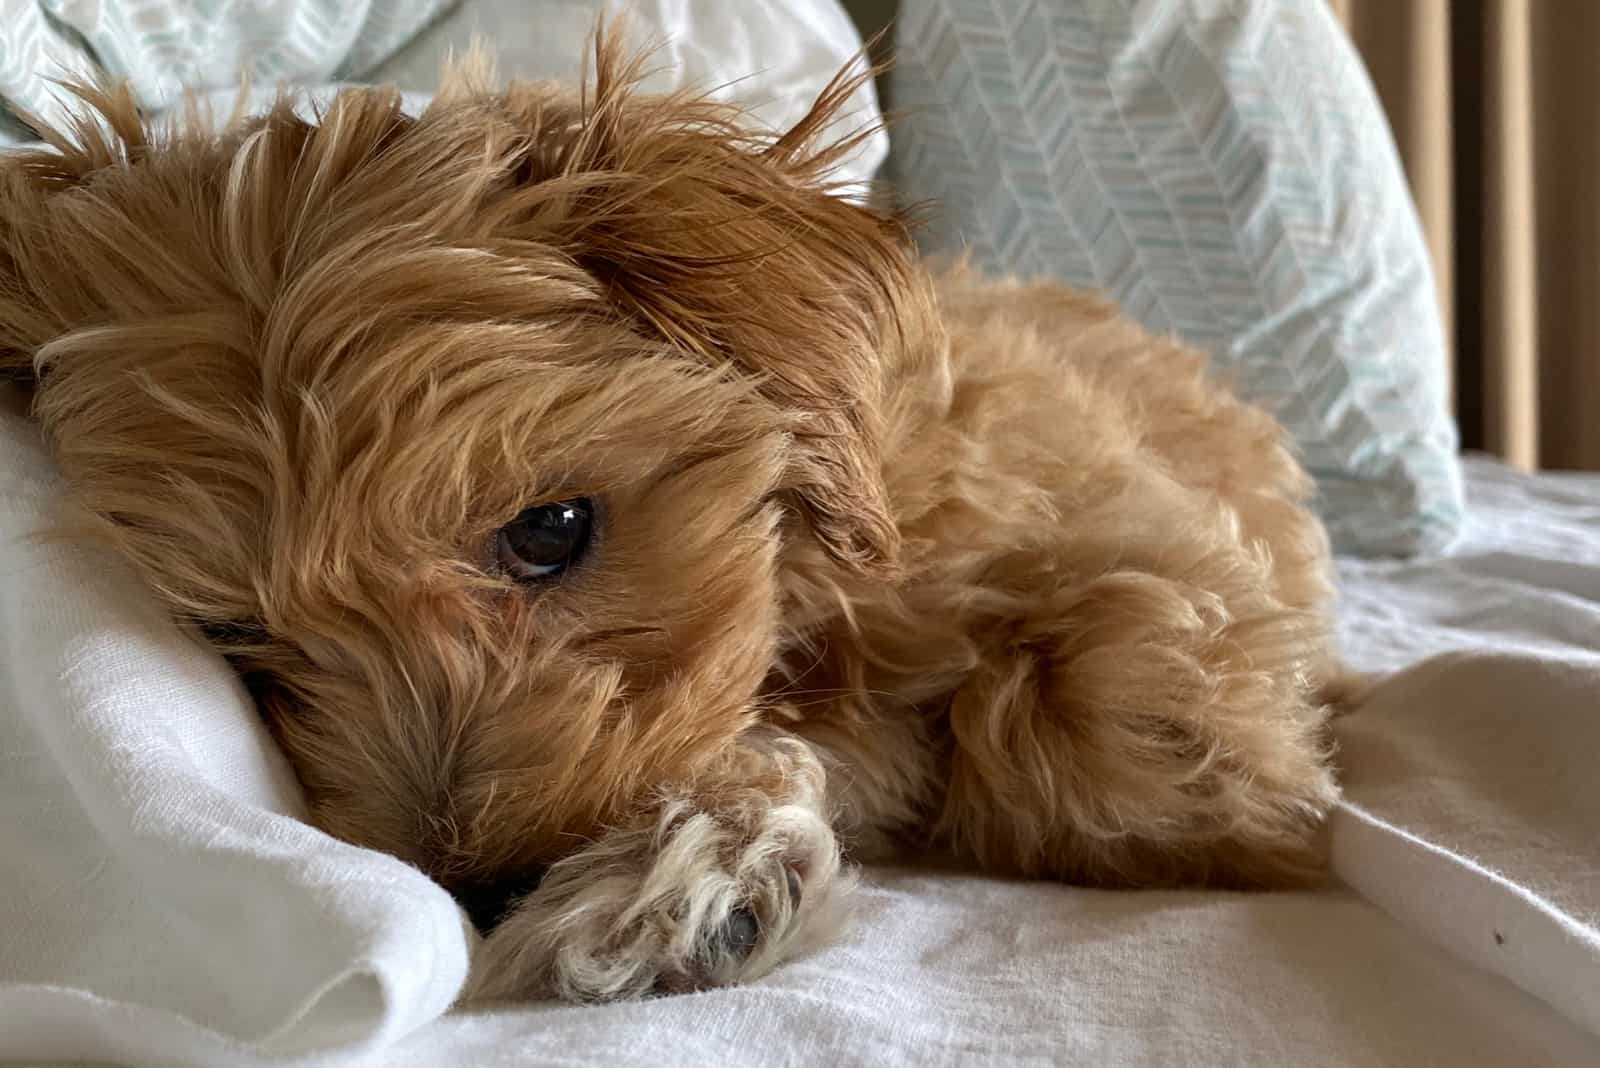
(1472, 815)
(160, 903)
(1472, 810)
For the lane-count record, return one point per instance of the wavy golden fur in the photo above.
(892, 559)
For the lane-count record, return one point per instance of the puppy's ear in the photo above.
(733, 246)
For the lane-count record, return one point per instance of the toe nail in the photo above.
(794, 885)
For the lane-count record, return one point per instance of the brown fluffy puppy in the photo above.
(615, 524)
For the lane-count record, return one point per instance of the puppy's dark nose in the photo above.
(490, 901)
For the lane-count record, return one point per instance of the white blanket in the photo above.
(160, 900)
(161, 904)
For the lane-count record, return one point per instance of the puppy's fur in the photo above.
(888, 560)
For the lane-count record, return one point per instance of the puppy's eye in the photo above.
(545, 540)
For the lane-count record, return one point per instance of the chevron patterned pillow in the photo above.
(1222, 168)
(163, 47)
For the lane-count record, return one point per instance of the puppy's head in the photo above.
(477, 440)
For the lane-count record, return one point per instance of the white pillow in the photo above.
(771, 57)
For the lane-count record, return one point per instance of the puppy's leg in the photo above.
(1150, 717)
(709, 884)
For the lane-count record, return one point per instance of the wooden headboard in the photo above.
(871, 15)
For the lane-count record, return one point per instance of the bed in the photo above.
(163, 903)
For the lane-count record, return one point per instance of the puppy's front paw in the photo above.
(699, 897)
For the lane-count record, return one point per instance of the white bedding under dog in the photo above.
(160, 904)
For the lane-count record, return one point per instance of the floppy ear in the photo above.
(731, 245)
